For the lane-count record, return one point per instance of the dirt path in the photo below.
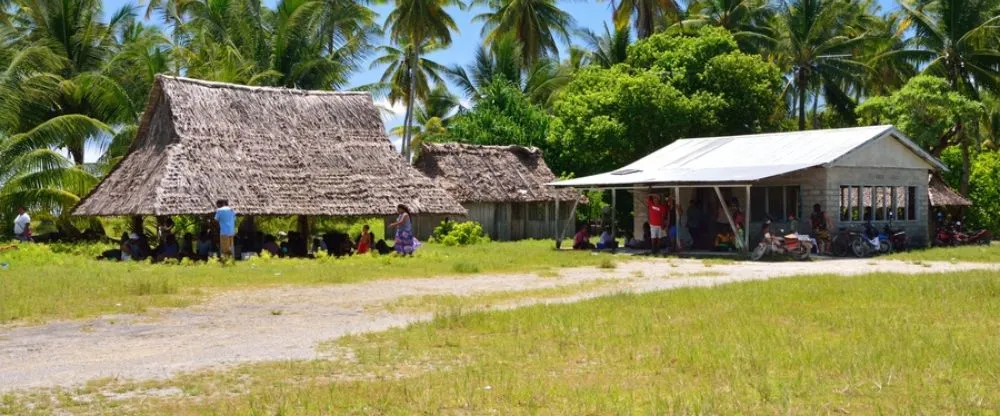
(289, 322)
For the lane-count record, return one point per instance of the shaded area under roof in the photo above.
(475, 173)
(269, 151)
(941, 195)
(743, 159)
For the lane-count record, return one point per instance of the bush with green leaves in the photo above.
(451, 233)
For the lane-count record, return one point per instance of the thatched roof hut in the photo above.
(269, 151)
(502, 187)
(941, 195)
(473, 173)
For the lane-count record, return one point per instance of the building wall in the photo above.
(916, 229)
(501, 221)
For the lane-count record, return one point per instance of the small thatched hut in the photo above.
(269, 151)
(502, 187)
(942, 196)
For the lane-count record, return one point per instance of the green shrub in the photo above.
(459, 234)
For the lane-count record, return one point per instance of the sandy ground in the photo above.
(289, 322)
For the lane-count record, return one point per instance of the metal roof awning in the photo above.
(742, 160)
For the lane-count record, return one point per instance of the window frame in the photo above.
(855, 203)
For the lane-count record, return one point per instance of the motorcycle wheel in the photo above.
(884, 247)
(859, 249)
(838, 247)
(801, 254)
(758, 252)
(984, 242)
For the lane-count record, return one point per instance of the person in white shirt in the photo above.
(22, 225)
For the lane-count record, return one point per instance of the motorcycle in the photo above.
(898, 240)
(799, 246)
(869, 242)
(983, 237)
(840, 245)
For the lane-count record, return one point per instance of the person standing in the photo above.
(404, 231)
(22, 226)
(226, 218)
(656, 210)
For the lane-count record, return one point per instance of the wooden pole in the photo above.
(555, 229)
(303, 228)
(677, 218)
(614, 209)
(746, 221)
(729, 217)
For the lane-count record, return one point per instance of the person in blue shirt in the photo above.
(226, 218)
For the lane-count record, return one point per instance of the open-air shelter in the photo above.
(269, 151)
(853, 173)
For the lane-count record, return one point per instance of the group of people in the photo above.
(230, 242)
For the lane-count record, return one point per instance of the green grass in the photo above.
(875, 344)
(981, 254)
(41, 284)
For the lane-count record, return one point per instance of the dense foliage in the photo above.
(670, 87)
(450, 233)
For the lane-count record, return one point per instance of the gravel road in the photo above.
(246, 326)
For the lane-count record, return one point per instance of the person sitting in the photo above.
(133, 248)
(606, 241)
(187, 246)
(382, 248)
(169, 249)
(364, 240)
(205, 246)
(581, 241)
(270, 246)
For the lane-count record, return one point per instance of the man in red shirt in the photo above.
(657, 211)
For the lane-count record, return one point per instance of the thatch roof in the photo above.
(269, 151)
(491, 173)
(941, 195)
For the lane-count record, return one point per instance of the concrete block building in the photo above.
(852, 173)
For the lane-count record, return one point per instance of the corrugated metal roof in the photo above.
(743, 159)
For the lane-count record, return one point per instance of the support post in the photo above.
(614, 209)
(746, 219)
(729, 216)
(547, 224)
(569, 220)
(677, 218)
(303, 229)
(555, 229)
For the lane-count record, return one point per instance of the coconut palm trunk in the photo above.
(408, 118)
(801, 80)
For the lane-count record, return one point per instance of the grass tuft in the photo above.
(607, 264)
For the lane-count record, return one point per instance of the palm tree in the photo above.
(534, 23)
(649, 15)
(398, 63)
(432, 115)
(958, 41)
(502, 60)
(748, 20)
(416, 24)
(819, 54)
(609, 49)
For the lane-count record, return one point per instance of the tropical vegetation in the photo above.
(74, 76)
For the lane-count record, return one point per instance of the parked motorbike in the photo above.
(983, 237)
(952, 235)
(840, 244)
(870, 242)
(898, 240)
(798, 246)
